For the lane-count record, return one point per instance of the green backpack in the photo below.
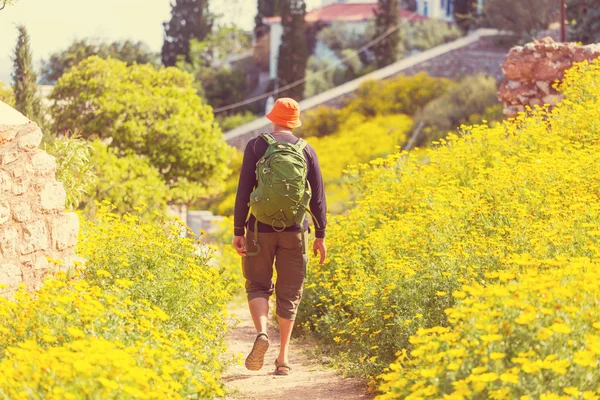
(283, 194)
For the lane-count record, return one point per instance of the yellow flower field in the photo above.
(145, 317)
(427, 228)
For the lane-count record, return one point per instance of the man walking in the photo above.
(280, 183)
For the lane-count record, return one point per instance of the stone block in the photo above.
(22, 212)
(53, 196)
(41, 263)
(5, 181)
(43, 164)
(9, 156)
(29, 138)
(4, 213)
(544, 86)
(8, 241)
(10, 276)
(35, 237)
(20, 185)
(6, 135)
(65, 229)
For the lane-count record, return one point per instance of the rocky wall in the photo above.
(33, 223)
(530, 72)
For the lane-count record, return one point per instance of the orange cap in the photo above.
(285, 112)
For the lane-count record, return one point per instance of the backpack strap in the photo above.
(301, 144)
(269, 138)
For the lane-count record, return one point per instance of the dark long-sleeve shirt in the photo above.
(255, 149)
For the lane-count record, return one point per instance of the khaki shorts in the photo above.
(285, 249)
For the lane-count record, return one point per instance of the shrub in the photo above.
(472, 95)
(144, 318)
(357, 141)
(74, 168)
(400, 95)
(125, 182)
(319, 122)
(422, 228)
(229, 122)
(533, 332)
(7, 95)
(425, 35)
(151, 112)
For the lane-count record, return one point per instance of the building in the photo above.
(358, 14)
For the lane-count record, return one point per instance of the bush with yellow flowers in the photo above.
(144, 318)
(531, 333)
(426, 225)
(357, 141)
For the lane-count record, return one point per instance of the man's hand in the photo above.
(239, 244)
(319, 247)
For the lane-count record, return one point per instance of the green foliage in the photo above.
(265, 8)
(473, 95)
(519, 16)
(218, 84)
(424, 35)
(228, 122)
(25, 79)
(130, 52)
(399, 95)
(321, 121)
(125, 181)
(190, 19)
(74, 168)
(293, 52)
(224, 202)
(584, 18)
(6, 95)
(386, 19)
(154, 113)
(464, 13)
(340, 36)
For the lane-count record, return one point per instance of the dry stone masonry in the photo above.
(530, 72)
(33, 223)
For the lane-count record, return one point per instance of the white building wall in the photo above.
(276, 34)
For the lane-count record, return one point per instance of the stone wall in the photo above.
(531, 70)
(33, 221)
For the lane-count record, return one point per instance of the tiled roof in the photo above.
(348, 12)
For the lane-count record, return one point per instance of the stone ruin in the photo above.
(33, 223)
(530, 71)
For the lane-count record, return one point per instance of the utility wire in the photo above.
(329, 68)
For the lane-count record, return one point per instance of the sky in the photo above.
(54, 24)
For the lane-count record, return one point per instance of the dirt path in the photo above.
(309, 380)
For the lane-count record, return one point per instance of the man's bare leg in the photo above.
(285, 333)
(259, 309)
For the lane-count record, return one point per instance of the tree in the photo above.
(190, 19)
(79, 50)
(464, 11)
(152, 113)
(216, 82)
(524, 17)
(25, 79)
(386, 20)
(293, 51)
(265, 9)
(584, 18)
(4, 3)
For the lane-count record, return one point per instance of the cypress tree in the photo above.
(464, 11)
(386, 19)
(293, 52)
(265, 9)
(24, 78)
(190, 19)
(584, 18)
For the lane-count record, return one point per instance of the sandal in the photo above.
(284, 372)
(256, 358)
